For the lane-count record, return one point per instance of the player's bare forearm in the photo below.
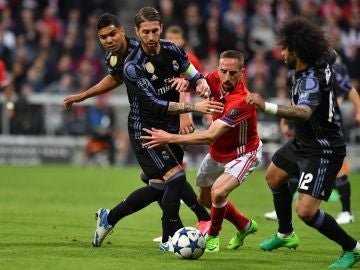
(292, 112)
(204, 106)
(107, 84)
(297, 112)
(158, 137)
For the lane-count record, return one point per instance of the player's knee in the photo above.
(305, 214)
(178, 179)
(218, 195)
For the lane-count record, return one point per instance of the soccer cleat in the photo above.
(102, 226)
(345, 218)
(203, 226)
(271, 215)
(167, 246)
(347, 259)
(276, 242)
(238, 239)
(212, 243)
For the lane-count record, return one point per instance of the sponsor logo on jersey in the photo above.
(150, 67)
(175, 65)
(113, 60)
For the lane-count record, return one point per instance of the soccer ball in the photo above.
(188, 243)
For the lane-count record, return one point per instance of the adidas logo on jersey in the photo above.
(154, 77)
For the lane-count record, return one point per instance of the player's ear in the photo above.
(136, 31)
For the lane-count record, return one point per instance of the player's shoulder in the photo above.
(213, 76)
(309, 81)
(132, 42)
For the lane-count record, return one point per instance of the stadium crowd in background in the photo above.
(50, 46)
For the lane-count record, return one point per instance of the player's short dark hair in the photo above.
(107, 19)
(304, 38)
(147, 14)
(175, 29)
(233, 54)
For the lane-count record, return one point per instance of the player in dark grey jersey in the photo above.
(154, 102)
(316, 153)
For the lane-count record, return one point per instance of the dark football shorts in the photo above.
(316, 171)
(157, 161)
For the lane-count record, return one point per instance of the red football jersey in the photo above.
(243, 137)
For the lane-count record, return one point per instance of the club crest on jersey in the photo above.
(150, 67)
(113, 60)
(165, 155)
(175, 65)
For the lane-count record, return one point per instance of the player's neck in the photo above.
(151, 51)
(300, 66)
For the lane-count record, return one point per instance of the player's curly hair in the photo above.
(306, 39)
(147, 14)
(107, 19)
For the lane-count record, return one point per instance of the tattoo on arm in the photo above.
(297, 112)
(178, 108)
(188, 107)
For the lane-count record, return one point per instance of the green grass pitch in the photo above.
(47, 222)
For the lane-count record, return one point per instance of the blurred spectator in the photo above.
(100, 119)
(169, 17)
(195, 30)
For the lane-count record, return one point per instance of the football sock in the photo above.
(235, 217)
(282, 202)
(343, 187)
(171, 204)
(293, 185)
(217, 217)
(136, 201)
(328, 226)
(190, 199)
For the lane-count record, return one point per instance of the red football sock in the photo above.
(217, 216)
(235, 217)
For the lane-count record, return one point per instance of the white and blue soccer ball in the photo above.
(188, 243)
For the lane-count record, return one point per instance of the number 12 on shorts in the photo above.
(305, 179)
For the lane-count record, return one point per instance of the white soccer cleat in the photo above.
(271, 215)
(345, 218)
(102, 226)
(167, 246)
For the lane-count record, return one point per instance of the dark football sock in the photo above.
(282, 202)
(293, 185)
(343, 187)
(190, 199)
(136, 201)
(171, 204)
(328, 226)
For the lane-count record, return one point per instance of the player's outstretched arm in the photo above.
(107, 84)
(204, 106)
(355, 100)
(300, 112)
(158, 137)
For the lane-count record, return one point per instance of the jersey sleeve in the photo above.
(235, 113)
(309, 92)
(142, 88)
(190, 72)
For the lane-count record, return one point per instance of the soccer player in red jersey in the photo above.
(235, 149)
